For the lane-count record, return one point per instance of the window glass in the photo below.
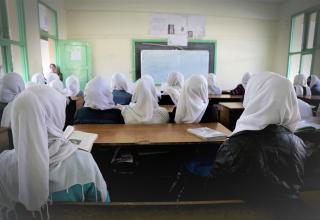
(16, 54)
(12, 20)
(306, 63)
(47, 53)
(294, 66)
(312, 27)
(297, 33)
(47, 19)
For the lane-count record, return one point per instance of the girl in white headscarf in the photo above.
(121, 94)
(193, 103)
(10, 86)
(73, 87)
(300, 86)
(52, 77)
(240, 89)
(315, 85)
(154, 91)
(44, 165)
(305, 109)
(36, 79)
(144, 108)
(263, 155)
(173, 86)
(212, 85)
(99, 106)
(58, 85)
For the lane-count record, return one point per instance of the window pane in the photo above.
(12, 20)
(47, 20)
(306, 65)
(312, 26)
(294, 66)
(47, 53)
(296, 33)
(316, 62)
(2, 70)
(17, 63)
(4, 32)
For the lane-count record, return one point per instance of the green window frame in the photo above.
(297, 58)
(45, 35)
(6, 41)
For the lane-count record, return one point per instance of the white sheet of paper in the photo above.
(196, 24)
(178, 40)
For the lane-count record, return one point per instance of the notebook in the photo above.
(304, 125)
(83, 140)
(206, 133)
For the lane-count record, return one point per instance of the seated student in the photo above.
(144, 108)
(99, 107)
(154, 91)
(44, 165)
(74, 93)
(193, 105)
(305, 109)
(51, 77)
(315, 85)
(173, 86)
(120, 90)
(10, 86)
(263, 155)
(212, 85)
(300, 86)
(240, 89)
(36, 79)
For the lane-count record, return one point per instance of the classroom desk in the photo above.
(226, 92)
(168, 107)
(215, 99)
(161, 134)
(230, 112)
(311, 100)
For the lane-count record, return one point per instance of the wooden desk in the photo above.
(230, 112)
(226, 92)
(6, 142)
(311, 100)
(215, 99)
(162, 134)
(168, 107)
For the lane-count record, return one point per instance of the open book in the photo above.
(207, 133)
(304, 125)
(83, 140)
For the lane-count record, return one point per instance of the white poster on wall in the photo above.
(175, 24)
(178, 40)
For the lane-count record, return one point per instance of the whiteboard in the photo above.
(159, 63)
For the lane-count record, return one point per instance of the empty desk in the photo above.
(215, 99)
(230, 112)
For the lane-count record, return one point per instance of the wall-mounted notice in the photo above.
(178, 40)
(174, 24)
(75, 54)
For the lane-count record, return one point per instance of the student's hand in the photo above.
(118, 106)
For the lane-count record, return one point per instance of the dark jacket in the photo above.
(265, 163)
(2, 106)
(239, 90)
(315, 90)
(87, 115)
(210, 115)
(70, 111)
(121, 97)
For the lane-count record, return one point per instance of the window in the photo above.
(48, 35)
(13, 52)
(304, 45)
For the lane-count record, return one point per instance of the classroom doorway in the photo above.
(75, 59)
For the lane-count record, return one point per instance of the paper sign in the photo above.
(75, 55)
(178, 40)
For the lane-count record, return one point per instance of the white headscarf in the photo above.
(245, 79)
(193, 100)
(305, 109)
(154, 91)
(72, 85)
(10, 86)
(300, 82)
(269, 99)
(38, 117)
(119, 82)
(143, 102)
(51, 77)
(38, 78)
(58, 85)
(212, 85)
(314, 80)
(173, 86)
(98, 94)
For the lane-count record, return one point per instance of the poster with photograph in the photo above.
(196, 26)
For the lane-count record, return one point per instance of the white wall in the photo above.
(33, 32)
(287, 10)
(245, 31)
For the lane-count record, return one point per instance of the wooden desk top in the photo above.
(168, 107)
(225, 96)
(232, 105)
(109, 134)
